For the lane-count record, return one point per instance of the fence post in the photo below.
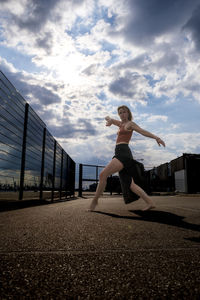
(111, 184)
(42, 164)
(186, 162)
(67, 185)
(54, 172)
(23, 157)
(97, 174)
(74, 176)
(80, 180)
(61, 174)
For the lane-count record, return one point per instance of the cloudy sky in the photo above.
(76, 61)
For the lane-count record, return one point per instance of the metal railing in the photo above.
(32, 163)
(88, 173)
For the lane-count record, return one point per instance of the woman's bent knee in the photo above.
(103, 176)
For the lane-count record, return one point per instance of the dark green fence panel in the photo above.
(32, 163)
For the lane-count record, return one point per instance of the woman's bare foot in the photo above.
(93, 205)
(148, 207)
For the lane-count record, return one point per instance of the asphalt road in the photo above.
(61, 251)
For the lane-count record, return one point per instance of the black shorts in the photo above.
(123, 154)
(132, 170)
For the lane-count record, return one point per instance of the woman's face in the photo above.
(123, 114)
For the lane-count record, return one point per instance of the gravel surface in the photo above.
(61, 251)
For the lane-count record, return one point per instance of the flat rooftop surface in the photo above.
(60, 251)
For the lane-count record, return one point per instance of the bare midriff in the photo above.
(121, 143)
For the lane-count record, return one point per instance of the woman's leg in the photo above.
(140, 192)
(114, 166)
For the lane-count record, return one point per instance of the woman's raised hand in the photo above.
(160, 142)
(108, 121)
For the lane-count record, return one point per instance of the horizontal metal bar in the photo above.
(93, 166)
(85, 179)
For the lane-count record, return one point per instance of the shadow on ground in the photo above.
(13, 205)
(193, 239)
(162, 217)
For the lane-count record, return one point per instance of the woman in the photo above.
(123, 159)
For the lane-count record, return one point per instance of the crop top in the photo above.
(123, 135)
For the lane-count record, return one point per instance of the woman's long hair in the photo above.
(130, 117)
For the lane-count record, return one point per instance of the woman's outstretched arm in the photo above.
(134, 126)
(110, 121)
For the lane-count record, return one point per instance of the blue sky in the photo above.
(76, 61)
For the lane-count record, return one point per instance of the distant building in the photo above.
(181, 174)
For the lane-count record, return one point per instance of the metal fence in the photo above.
(32, 163)
(89, 178)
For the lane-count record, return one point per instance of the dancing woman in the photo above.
(123, 158)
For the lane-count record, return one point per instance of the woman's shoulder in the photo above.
(129, 125)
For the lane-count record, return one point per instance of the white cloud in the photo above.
(93, 55)
(154, 118)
